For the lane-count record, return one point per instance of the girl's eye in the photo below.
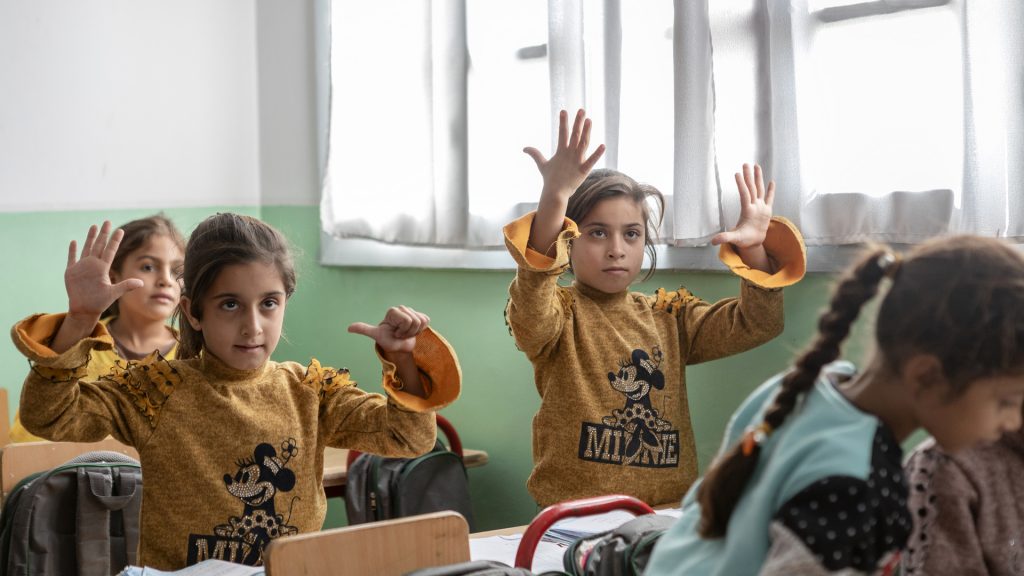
(597, 233)
(147, 267)
(229, 305)
(633, 234)
(270, 304)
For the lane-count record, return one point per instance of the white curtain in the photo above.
(432, 102)
(892, 121)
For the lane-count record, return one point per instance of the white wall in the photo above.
(286, 53)
(128, 103)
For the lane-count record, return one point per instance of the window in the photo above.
(887, 120)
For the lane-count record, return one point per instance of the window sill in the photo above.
(371, 254)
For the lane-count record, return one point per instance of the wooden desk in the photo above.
(336, 468)
(20, 460)
(385, 548)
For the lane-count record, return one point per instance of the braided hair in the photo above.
(959, 298)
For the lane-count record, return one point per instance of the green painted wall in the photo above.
(498, 399)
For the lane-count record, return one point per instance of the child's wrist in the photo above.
(79, 318)
(397, 356)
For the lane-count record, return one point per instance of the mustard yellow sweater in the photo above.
(232, 459)
(101, 362)
(609, 368)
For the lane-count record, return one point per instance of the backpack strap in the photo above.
(104, 492)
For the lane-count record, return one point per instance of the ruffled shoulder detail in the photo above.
(148, 383)
(565, 300)
(326, 381)
(672, 302)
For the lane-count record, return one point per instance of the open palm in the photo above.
(87, 279)
(570, 164)
(755, 210)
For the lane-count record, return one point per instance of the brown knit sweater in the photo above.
(968, 510)
(232, 459)
(609, 368)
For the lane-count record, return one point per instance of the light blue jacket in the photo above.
(824, 436)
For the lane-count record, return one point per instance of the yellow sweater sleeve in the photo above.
(785, 245)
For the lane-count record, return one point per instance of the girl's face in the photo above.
(609, 252)
(242, 314)
(989, 408)
(156, 263)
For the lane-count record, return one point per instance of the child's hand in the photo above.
(570, 164)
(755, 211)
(397, 332)
(87, 279)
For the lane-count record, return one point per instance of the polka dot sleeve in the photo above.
(845, 523)
(851, 522)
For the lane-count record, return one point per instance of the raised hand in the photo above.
(87, 279)
(397, 332)
(569, 165)
(755, 210)
(562, 174)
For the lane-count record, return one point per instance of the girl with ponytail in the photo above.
(232, 441)
(809, 480)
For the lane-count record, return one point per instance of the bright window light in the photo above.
(886, 104)
(508, 101)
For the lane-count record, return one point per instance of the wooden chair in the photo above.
(20, 460)
(5, 419)
(387, 548)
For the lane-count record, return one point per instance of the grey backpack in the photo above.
(78, 519)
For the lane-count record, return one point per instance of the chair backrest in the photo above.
(387, 548)
(19, 460)
(5, 419)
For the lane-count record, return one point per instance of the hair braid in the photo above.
(727, 477)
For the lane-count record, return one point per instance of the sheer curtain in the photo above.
(889, 120)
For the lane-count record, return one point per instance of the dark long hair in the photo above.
(958, 298)
(219, 241)
(605, 183)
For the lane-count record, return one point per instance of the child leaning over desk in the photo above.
(609, 363)
(231, 442)
(809, 479)
(967, 508)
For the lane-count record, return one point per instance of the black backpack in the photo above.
(622, 551)
(379, 488)
(78, 519)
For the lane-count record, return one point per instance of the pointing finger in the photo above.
(363, 328)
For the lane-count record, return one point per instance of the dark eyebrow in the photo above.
(233, 295)
(603, 225)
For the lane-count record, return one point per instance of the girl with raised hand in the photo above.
(609, 363)
(231, 442)
(810, 478)
(151, 252)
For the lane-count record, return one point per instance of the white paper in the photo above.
(547, 556)
(204, 568)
